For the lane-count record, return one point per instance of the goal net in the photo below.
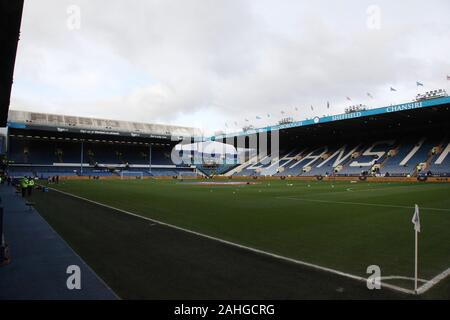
(131, 175)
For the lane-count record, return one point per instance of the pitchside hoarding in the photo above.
(87, 131)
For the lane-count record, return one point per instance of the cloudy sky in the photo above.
(207, 63)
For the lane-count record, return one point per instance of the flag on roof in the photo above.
(419, 84)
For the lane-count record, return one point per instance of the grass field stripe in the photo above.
(363, 204)
(427, 286)
(273, 255)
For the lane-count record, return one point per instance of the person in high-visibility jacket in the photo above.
(30, 186)
(24, 186)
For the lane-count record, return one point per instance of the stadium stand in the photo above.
(46, 145)
(384, 158)
(410, 139)
(404, 140)
(440, 159)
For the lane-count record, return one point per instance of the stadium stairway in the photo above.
(40, 258)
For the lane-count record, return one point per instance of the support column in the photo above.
(81, 158)
(150, 158)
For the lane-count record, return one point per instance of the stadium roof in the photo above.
(86, 125)
(10, 19)
(388, 111)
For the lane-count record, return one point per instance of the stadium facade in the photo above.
(43, 145)
(406, 140)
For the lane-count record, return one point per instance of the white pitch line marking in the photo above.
(362, 204)
(427, 286)
(273, 255)
(402, 278)
(353, 189)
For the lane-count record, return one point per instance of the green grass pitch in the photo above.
(340, 225)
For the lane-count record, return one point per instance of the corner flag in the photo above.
(416, 219)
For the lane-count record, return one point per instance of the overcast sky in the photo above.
(205, 63)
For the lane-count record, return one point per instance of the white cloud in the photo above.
(206, 63)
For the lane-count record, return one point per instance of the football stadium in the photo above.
(341, 204)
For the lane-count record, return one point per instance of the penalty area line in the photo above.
(262, 252)
(361, 203)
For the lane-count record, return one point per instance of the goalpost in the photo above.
(124, 174)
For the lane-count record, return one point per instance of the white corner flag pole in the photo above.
(415, 269)
(416, 222)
